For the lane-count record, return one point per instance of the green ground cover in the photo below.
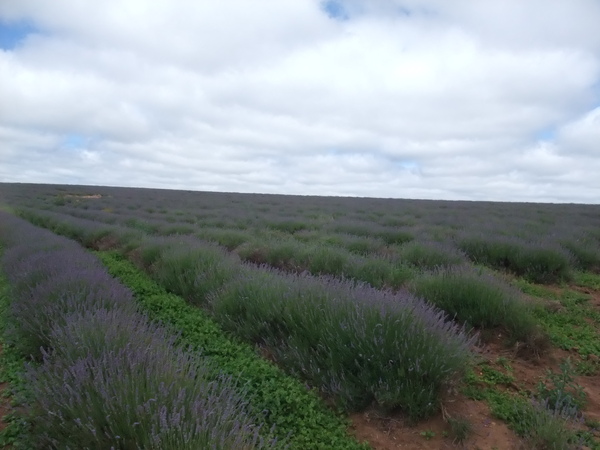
(12, 365)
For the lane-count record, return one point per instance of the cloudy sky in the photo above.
(461, 99)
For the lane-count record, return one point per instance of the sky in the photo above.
(475, 100)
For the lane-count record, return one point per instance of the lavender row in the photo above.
(357, 344)
(436, 271)
(548, 240)
(103, 376)
(368, 345)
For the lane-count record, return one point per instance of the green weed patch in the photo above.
(11, 368)
(587, 279)
(568, 318)
(531, 418)
(536, 263)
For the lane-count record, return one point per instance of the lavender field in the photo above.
(432, 316)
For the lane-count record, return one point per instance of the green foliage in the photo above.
(394, 236)
(428, 256)
(428, 434)
(61, 201)
(566, 318)
(285, 254)
(193, 272)
(332, 261)
(479, 300)
(494, 377)
(542, 428)
(587, 365)
(362, 245)
(353, 351)
(560, 390)
(535, 263)
(381, 272)
(278, 398)
(288, 226)
(291, 255)
(587, 279)
(141, 225)
(585, 252)
(12, 366)
(460, 428)
(175, 230)
(59, 227)
(230, 239)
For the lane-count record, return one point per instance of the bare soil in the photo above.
(388, 433)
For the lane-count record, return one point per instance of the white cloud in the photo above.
(419, 98)
(582, 136)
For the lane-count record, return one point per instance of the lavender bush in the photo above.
(64, 290)
(539, 263)
(430, 254)
(191, 268)
(354, 342)
(479, 299)
(586, 253)
(91, 331)
(136, 397)
(108, 378)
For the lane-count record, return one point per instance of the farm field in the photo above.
(399, 323)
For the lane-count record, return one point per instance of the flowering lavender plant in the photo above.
(354, 342)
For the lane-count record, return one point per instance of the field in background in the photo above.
(329, 288)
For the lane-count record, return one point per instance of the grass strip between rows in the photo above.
(12, 365)
(282, 400)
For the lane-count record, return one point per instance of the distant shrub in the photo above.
(321, 260)
(429, 255)
(142, 225)
(175, 230)
(534, 262)
(381, 272)
(359, 245)
(97, 236)
(288, 226)
(585, 253)
(395, 236)
(353, 228)
(293, 256)
(230, 239)
(279, 253)
(356, 343)
(480, 300)
(192, 269)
